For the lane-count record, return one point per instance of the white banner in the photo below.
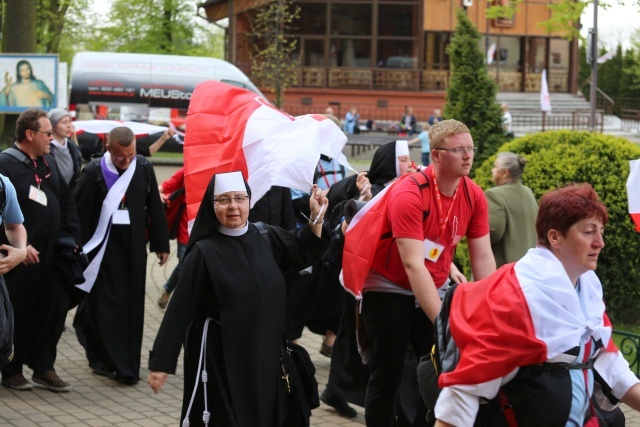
(545, 100)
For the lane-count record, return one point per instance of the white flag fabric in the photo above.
(604, 58)
(105, 126)
(545, 100)
(633, 192)
(490, 53)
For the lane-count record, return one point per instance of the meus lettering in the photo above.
(164, 94)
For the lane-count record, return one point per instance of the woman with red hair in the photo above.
(534, 339)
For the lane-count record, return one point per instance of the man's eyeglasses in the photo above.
(226, 201)
(48, 133)
(460, 150)
(123, 158)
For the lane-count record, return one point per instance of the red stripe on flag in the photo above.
(215, 125)
(636, 220)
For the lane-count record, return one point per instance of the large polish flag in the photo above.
(527, 313)
(633, 192)
(229, 128)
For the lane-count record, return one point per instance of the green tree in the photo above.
(609, 74)
(274, 62)
(156, 26)
(471, 95)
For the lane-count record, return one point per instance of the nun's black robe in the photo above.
(237, 282)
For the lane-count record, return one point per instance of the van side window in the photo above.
(234, 83)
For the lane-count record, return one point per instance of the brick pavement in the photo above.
(98, 401)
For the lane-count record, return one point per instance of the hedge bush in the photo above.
(557, 158)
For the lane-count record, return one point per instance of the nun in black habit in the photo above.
(229, 309)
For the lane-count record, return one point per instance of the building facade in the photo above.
(386, 54)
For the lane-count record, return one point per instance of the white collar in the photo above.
(60, 146)
(233, 231)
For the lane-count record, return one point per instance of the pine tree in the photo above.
(471, 95)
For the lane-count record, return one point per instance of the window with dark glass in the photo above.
(313, 19)
(351, 19)
(313, 53)
(397, 54)
(350, 53)
(435, 46)
(397, 20)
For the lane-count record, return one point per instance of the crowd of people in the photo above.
(531, 336)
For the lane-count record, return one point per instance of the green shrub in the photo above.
(558, 158)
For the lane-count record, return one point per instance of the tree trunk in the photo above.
(19, 36)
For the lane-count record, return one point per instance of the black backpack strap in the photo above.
(420, 178)
(20, 156)
(262, 229)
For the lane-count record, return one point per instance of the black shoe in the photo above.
(103, 373)
(127, 380)
(341, 406)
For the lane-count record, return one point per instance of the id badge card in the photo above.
(121, 216)
(432, 250)
(37, 195)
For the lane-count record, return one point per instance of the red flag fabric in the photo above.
(492, 342)
(361, 238)
(526, 313)
(229, 128)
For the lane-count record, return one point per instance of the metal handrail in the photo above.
(601, 92)
(629, 347)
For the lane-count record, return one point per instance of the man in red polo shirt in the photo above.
(427, 215)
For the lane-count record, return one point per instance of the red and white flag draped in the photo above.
(633, 192)
(105, 126)
(361, 241)
(100, 127)
(230, 128)
(526, 313)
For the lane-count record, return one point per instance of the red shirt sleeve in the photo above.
(174, 183)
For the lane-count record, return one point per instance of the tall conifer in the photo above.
(471, 95)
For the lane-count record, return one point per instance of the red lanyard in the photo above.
(442, 220)
(35, 174)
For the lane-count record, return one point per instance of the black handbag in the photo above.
(299, 373)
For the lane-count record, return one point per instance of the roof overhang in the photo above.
(215, 9)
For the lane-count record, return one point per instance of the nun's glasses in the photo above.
(226, 201)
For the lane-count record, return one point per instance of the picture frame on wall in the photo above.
(28, 80)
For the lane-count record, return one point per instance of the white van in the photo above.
(143, 87)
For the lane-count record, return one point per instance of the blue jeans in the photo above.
(425, 159)
(175, 275)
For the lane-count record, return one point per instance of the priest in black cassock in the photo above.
(229, 310)
(109, 321)
(39, 290)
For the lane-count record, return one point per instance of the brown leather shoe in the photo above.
(17, 382)
(51, 381)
